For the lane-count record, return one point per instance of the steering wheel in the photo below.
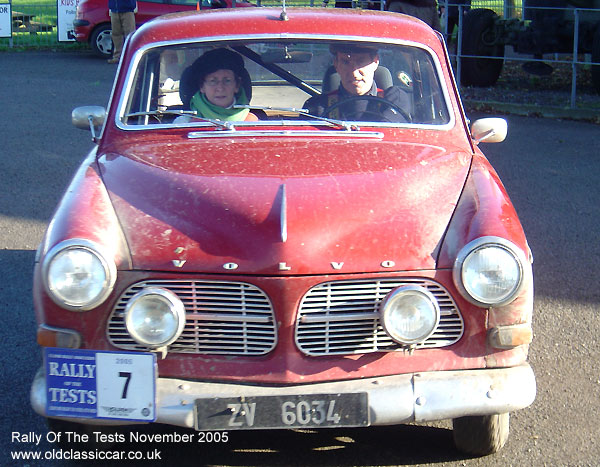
(367, 97)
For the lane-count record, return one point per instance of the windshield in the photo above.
(292, 82)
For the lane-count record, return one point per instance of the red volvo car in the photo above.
(331, 249)
(92, 21)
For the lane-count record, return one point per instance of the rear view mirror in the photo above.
(286, 56)
(489, 130)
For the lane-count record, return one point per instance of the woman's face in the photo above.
(220, 87)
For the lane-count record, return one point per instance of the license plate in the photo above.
(296, 411)
(96, 384)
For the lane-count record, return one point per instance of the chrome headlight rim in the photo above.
(109, 266)
(176, 308)
(394, 295)
(491, 242)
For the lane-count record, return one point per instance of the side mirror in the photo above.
(89, 117)
(489, 130)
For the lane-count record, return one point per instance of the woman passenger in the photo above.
(219, 82)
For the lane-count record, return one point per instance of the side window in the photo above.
(143, 92)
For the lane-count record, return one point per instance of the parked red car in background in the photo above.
(92, 22)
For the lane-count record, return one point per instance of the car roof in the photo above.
(204, 25)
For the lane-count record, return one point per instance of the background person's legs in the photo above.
(117, 36)
(122, 25)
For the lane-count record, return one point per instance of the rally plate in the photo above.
(285, 411)
(100, 384)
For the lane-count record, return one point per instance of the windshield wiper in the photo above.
(159, 113)
(341, 124)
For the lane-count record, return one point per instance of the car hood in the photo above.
(284, 206)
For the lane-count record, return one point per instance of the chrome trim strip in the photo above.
(280, 133)
(229, 318)
(340, 317)
(283, 214)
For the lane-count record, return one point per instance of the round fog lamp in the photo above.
(410, 314)
(155, 317)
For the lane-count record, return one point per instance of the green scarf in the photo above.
(204, 108)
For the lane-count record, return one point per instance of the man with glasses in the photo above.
(358, 97)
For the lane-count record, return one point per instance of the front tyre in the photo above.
(101, 41)
(481, 38)
(481, 435)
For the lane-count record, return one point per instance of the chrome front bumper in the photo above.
(392, 399)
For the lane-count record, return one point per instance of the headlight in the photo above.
(77, 276)
(155, 317)
(490, 271)
(409, 314)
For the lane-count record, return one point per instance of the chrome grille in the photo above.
(341, 317)
(231, 318)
